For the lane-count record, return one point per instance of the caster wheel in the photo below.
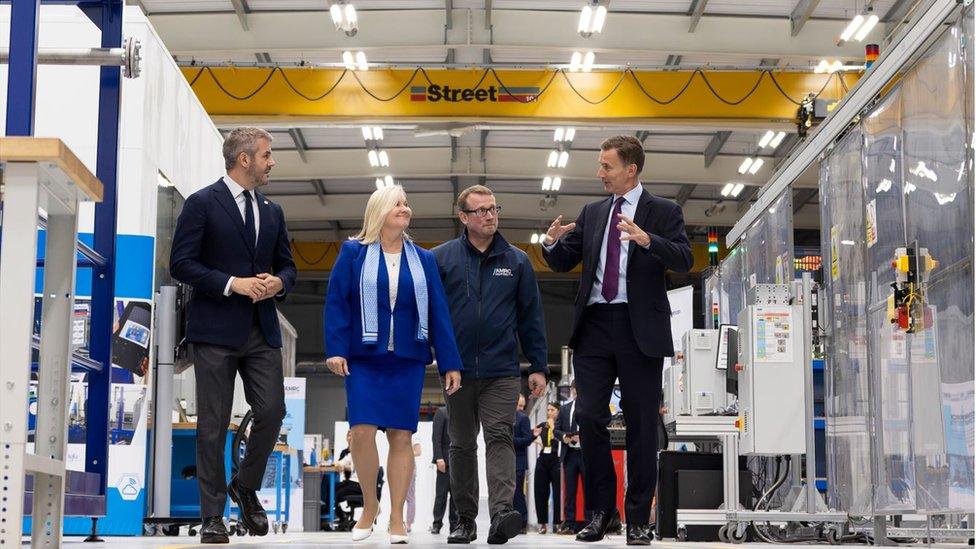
(149, 529)
(723, 533)
(241, 530)
(172, 530)
(736, 536)
(191, 532)
(274, 527)
(833, 536)
(284, 527)
(682, 534)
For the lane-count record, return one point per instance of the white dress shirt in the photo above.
(393, 271)
(237, 191)
(628, 208)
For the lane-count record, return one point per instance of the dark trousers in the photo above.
(546, 478)
(488, 404)
(215, 368)
(519, 502)
(572, 472)
(443, 493)
(606, 350)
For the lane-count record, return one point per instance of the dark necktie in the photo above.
(252, 234)
(611, 267)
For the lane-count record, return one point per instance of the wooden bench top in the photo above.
(54, 151)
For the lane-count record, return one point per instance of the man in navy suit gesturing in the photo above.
(232, 248)
(621, 327)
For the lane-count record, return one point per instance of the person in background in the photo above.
(571, 459)
(547, 468)
(349, 485)
(522, 439)
(412, 490)
(385, 312)
(441, 438)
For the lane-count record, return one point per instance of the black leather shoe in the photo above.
(638, 534)
(504, 526)
(615, 527)
(213, 530)
(251, 512)
(466, 532)
(436, 528)
(597, 528)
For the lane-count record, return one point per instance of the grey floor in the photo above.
(299, 540)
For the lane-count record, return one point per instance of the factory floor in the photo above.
(299, 540)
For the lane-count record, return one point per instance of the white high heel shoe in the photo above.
(397, 539)
(359, 534)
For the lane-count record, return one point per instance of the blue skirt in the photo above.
(385, 392)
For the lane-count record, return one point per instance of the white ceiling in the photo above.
(323, 178)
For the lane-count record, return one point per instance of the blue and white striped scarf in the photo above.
(368, 294)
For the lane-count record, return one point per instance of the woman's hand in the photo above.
(452, 382)
(338, 365)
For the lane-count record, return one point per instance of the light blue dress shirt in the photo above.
(628, 208)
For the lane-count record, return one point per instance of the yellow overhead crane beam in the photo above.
(325, 94)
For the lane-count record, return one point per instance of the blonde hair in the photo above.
(380, 204)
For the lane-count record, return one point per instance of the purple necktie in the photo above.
(611, 267)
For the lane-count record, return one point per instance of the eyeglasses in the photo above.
(482, 212)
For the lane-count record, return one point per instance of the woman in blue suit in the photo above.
(384, 312)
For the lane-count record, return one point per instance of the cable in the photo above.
(284, 75)
(243, 97)
(397, 94)
(538, 95)
(658, 101)
(301, 256)
(581, 96)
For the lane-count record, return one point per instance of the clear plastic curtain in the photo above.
(847, 380)
(900, 405)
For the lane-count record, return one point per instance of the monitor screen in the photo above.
(731, 349)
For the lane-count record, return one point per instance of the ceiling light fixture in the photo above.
(859, 28)
(756, 164)
(591, 20)
(744, 167)
(344, 18)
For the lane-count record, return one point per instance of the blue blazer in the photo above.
(343, 318)
(210, 246)
(522, 439)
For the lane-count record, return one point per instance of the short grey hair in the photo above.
(242, 140)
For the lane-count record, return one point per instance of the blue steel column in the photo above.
(108, 17)
(22, 66)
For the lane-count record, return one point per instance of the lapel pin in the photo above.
(265, 202)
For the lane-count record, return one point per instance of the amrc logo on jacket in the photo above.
(440, 93)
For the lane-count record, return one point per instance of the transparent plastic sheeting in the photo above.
(763, 256)
(768, 245)
(731, 293)
(710, 296)
(900, 407)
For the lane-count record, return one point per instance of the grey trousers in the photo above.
(490, 405)
(215, 368)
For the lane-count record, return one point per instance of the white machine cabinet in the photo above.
(771, 383)
(703, 384)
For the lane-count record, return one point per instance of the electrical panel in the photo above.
(770, 379)
(704, 384)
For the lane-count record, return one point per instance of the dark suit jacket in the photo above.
(441, 437)
(647, 299)
(566, 424)
(210, 246)
(522, 438)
